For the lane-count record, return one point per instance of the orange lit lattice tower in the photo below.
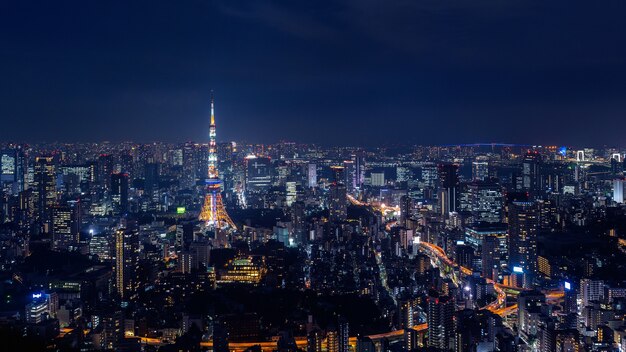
(213, 211)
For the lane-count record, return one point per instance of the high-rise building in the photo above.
(406, 207)
(126, 263)
(66, 224)
(44, 187)
(105, 169)
(523, 228)
(291, 192)
(440, 322)
(480, 169)
(298, 219)
(343, 335)
(618, 190)
(258, 174)
(530, 173)
(378, 179)
(11, 170)
(448, 188)
(312, 175)
(490, 256)
(486, 201)
(119, 192)
(152, 177)
(528, 312)
(358, 159)
(338, 202)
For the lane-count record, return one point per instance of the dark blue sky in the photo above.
(333, 72)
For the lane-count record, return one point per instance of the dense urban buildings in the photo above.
(456, 248)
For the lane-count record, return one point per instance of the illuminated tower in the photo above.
(213, 211)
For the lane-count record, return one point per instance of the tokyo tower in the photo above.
(213, 211)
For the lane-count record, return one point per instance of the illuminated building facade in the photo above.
(247, 270)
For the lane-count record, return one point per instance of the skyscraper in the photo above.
(119, 192)
(523, 228)
(11, 170)
(44, 187)
(486, 201)
(105, 169)
(530, 173)
(66, 224)
(448, 188)
(126, 263)
(480, 169)
(440, 322)
(312, 175)
(338, 202)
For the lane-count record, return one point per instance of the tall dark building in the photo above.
(440, 322)
(44, 187)
(338, 202)
(448, 188)
(152, 178)
(523, 228)
(119, 192)
(490, 256)
(298, 219)
(406, 206)
(105, 169)
(529, 179)
(126, 263)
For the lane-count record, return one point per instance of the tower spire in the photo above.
(213, 211)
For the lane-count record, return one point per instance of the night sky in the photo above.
(354, 72)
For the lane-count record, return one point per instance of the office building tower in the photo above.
(523, 228)
(406, 208)
(258, 174)
(298, 219)
(530, 174)
(291, 192)
(337, 202)
(314, 341)
(312, 175)
(529, 305)
(378, 179)
(105, 169)
(448, 188)
(490, 256)
(480, 169)
(440, 322)
(358, 160)
(618, 190)
(11, 170)
(100, 246)
(66, 220)
(591, 291)
(126, 263)
(119, 192)
(44, 187)
(486, 202)
(152, 178)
